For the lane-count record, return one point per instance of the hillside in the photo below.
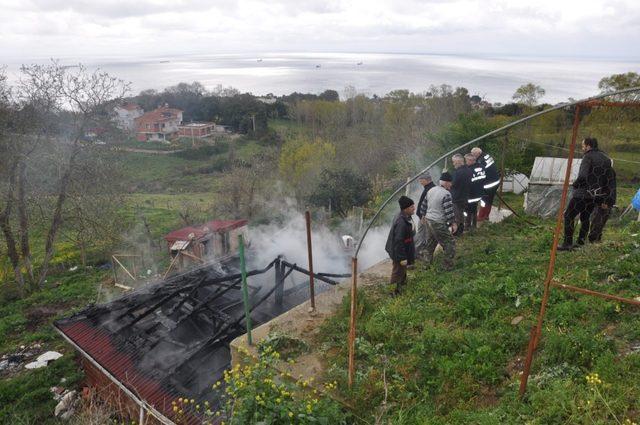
(450, 349)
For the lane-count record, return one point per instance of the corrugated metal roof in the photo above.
(549, 170)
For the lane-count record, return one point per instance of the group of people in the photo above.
(445, 211)
(450, 208)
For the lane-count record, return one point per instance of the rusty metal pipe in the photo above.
(552, 259)
(595, 293)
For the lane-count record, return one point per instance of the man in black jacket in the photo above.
(400, 245)
(460, 190)
(426, 182)
(603, 209)
(590, 186)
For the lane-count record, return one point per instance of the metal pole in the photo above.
(245, 291)
(352, 323)
(312, 291)
(535, 335)
(513, 185)
(477, 139)
(595, 293)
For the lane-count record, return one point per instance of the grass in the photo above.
(450, 354)
(25, 397)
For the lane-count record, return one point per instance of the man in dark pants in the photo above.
(603, 210)
(478, 177)
(426, 182)
(590, 185)
(460, 190)
(439, 218)
(400, 245)
(491, 182)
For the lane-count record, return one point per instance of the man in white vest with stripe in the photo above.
(491, 182)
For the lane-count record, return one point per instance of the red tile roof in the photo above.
(130, 106)
(162, 114)
(218, 226)
(120, 363)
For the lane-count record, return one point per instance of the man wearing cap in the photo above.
(439, 219)
(400, 246)
(427, 183)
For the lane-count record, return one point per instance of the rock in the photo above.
(35, 365)
(58, 392)
(517, 320)
(68, 414)
(67, 402)
(43, 360)
(49, 356)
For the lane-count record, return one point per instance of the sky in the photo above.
(101, 28)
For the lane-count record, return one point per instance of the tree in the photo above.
(617, 82)
(48, 111)
(529, 94)
(341, 190)
(302, 161)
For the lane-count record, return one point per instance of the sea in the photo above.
(493, 77)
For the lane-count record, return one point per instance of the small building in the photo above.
(217, 239)
(515, 182)
(161, 124)
(197, 129)
(126, 114)
(545, 185)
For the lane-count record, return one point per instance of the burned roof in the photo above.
(169, 339)
(199, 231)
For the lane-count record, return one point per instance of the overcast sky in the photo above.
(79, 28)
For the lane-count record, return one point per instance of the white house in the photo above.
(126, 114)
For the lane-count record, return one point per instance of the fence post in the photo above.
(279, 293)
(352, 324)
(535, 334)
(312, 290)
(245, 291)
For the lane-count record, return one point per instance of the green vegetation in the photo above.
(256, 394)
(446, 351)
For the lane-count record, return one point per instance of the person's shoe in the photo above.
(579, 243)
(565, 247)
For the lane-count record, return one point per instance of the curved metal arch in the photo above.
(477, 139)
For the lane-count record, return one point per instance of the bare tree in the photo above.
(51, 106)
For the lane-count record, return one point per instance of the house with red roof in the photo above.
(216, 239)
(161, 124)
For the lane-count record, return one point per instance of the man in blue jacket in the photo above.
(400, 246)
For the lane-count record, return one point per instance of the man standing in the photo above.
(491, 183)
(426, 183)
(460, 190)
(439, 218)
(603, 209)
(477, 190)
(591, 185)
(400, 245)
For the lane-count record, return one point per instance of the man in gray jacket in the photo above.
(439, 218)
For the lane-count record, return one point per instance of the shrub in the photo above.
(258, 394)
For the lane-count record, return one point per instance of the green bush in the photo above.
(258, 394)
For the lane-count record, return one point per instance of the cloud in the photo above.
(106, 27)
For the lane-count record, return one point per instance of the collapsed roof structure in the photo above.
(169, 339)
